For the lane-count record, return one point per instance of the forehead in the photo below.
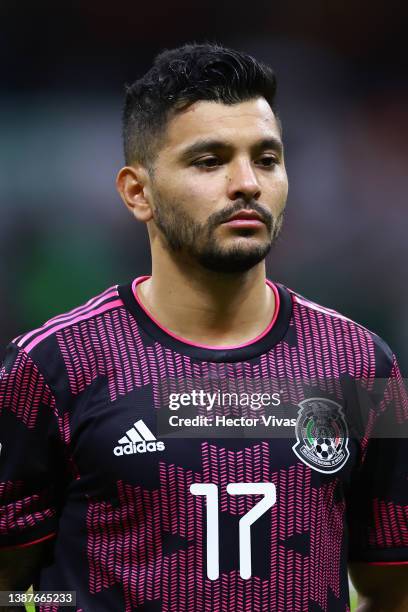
(245, 121)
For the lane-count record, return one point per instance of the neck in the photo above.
(208, 307)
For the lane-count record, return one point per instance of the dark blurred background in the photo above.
(343, 99)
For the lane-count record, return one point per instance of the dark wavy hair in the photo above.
(178, 78)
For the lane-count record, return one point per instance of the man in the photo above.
(109, 487)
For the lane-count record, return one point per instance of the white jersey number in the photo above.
(210, 491)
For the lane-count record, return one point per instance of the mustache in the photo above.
(223, 215)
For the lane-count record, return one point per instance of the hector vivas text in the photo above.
(209, 401)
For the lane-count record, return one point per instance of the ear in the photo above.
(132, 184)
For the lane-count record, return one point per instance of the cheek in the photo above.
(280, 193)
(200, 198)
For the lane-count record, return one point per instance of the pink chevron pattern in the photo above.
(390, 525)
(53, 608)
(10, 490)
(325, 350)
(109, 344)
(395, 399)
(330, 345)
(395, 394)
(23, 390)
(50, 326)
(18, 512)
(126, 542)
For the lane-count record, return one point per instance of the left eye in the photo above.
(268, 162)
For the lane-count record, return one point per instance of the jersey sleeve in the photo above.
(28, 454)
(378, 504)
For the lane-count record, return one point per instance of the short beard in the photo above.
(197, 240)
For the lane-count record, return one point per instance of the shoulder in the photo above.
(341, 333)
(59, 359)
(44, 335)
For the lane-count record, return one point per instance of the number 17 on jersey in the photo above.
(210, 492)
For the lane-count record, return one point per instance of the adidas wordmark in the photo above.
(138, 439)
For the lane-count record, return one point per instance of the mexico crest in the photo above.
(322, 435)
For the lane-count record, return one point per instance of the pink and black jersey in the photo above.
(251, 507)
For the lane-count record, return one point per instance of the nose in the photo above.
(242, 181)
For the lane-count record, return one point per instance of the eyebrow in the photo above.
(211, 144)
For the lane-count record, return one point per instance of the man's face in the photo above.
(217, 160)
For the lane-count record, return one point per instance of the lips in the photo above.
(246, 215)
(245, 219)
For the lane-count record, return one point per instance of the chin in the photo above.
(234, 262)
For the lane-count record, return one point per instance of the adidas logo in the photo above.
(138, 439)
